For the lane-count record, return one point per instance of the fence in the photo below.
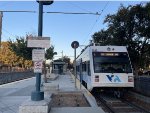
(13, 69)
(142, 85)
(14, 76)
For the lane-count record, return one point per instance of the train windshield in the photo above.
(116, 62)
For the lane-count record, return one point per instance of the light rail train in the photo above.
(104, 67)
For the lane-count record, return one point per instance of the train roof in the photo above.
(104, 49)
(109, 48)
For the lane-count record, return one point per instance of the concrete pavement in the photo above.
(12, 95)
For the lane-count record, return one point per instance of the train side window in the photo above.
(84, 67)
(88, 68)
(77, 69)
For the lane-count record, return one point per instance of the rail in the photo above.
(117, 105)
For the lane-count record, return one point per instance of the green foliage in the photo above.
(20, 48)
(50, 53)
(129, 27)
(9, 58)
(66, 59)
(102, 37)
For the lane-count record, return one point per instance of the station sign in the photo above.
(39, 42)
(38, 55)
(38, 66)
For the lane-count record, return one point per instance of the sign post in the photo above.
(39, 95)
(75, 45)
(80, 72)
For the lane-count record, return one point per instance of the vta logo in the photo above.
(113, 78)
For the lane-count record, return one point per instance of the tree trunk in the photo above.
(136, 69)
(45, 78)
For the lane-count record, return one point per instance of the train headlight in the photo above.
(96, 78)
(130, 78)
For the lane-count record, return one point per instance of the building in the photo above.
(59, 67)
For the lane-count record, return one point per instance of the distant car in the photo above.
(146, 73)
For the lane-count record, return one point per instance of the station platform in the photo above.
(59, 88)
(12, 95)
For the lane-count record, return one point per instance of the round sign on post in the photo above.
(75, 44)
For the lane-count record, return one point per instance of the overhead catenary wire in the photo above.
(13, 11)
(5, 11)
(8, 32)
(27, 11)
(75, 5)
(95, 22)
(73, 13)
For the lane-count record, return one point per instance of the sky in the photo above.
(62, 29)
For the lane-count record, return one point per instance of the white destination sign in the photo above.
(38, 55)
(38, 66)
(39, 42)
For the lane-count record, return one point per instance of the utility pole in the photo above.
(62, 55)
(1, 16)
(75, 73)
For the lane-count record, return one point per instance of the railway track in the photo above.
(110, 104)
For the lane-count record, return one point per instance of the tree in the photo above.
(50, 53)
(129, 27)
(19, 47)
(7, 56)
(102, 37)
(66, 59)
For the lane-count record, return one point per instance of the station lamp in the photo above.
(46, 2)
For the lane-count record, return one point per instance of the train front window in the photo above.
(111, 63)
